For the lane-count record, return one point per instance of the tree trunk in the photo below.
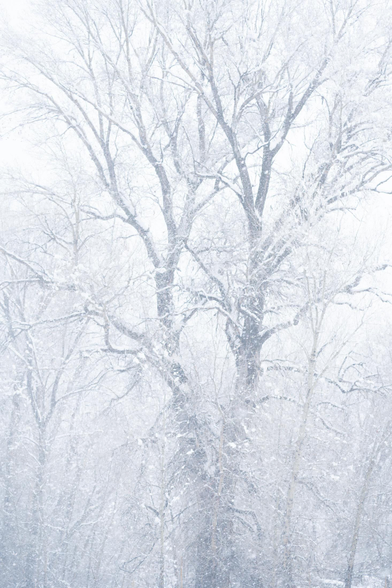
(358, 519)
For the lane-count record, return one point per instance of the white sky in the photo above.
(13, 10)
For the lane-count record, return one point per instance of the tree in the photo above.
(205, 151)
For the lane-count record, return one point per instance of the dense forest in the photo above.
(195, 290)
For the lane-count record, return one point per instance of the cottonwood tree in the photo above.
(214, 142)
